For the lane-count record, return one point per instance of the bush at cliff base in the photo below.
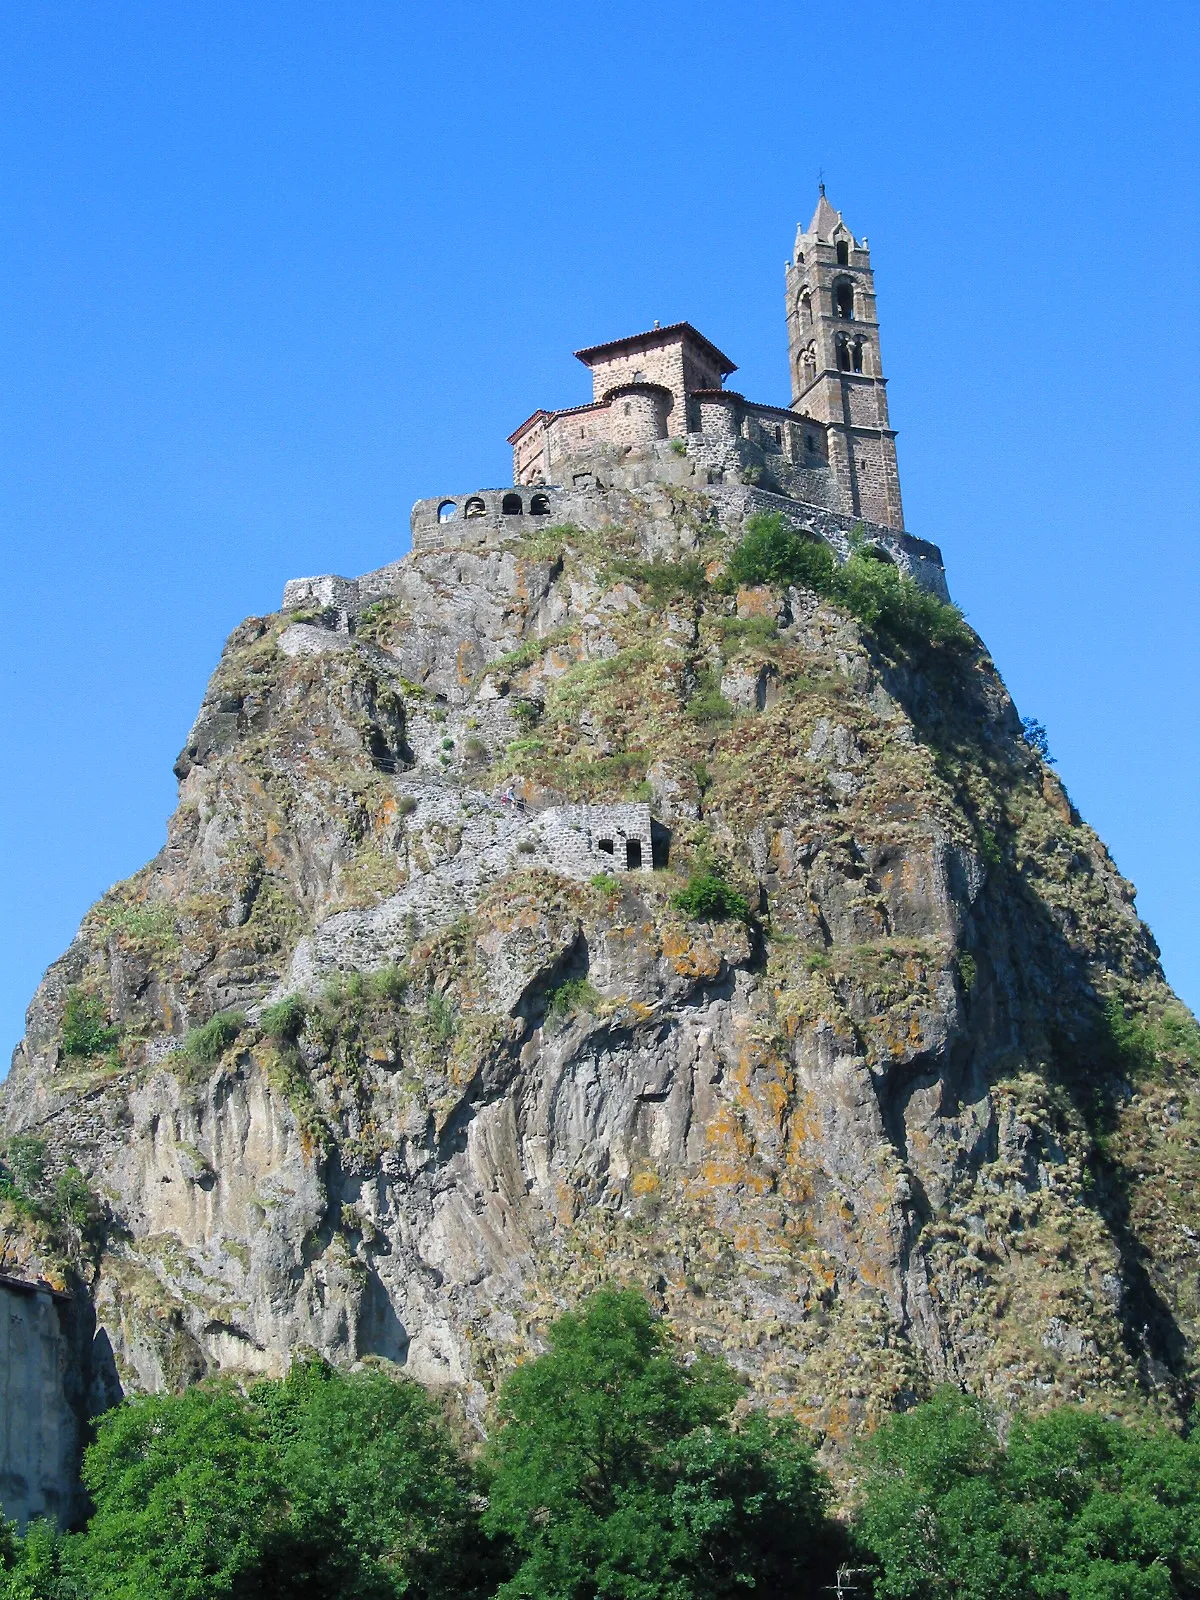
(618, 1468)
(1074, 1507)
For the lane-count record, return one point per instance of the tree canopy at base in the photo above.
(617, 1470)
(620, 1468)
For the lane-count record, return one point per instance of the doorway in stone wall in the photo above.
(633, 854)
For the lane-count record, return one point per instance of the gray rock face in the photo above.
(853, 1144)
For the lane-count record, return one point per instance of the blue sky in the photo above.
(271, 272)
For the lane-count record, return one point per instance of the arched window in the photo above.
(446, 511)
(843, 253)
(843, 354)
(778, 434)
(856, 350)
(876, 552)
(475, 507)
(804, 309)
(843, 301)
(539, 506)
(511, 505)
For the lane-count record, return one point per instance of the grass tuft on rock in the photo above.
(207, 1044)
(285, 1019)
(86, 1031)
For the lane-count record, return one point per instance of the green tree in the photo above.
(616, 1471)
(188, 1495)
(1076, 1507)
(1103, 1511)
(934, 1516)
(380, 1501)
(323, 1485)
(41, 1566)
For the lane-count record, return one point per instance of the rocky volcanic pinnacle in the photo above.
(930, 1114)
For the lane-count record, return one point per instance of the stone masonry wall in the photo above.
(581, 840)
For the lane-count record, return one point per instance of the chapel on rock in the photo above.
(832, 447)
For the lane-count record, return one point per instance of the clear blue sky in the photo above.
(271, 272)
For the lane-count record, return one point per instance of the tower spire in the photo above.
(837, 375)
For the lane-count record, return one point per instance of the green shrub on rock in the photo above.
(208, 1043)
(285, 1019)
(871, 589)
(85, 1030)
(571, 996)
(772, 551)
(708, 898)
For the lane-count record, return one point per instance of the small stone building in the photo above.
(586, 839)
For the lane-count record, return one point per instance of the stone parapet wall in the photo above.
(598, 497)
(483, 518)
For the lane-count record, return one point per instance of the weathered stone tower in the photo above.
(837, 375)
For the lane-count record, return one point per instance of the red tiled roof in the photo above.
(528, 423)
(656, 336)
(549, 416)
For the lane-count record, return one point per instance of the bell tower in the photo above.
(837, 374)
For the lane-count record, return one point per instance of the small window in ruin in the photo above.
(633, 854)
(810, 441)
(843, 301)
(843, 253)
(446, 511)
(539, 506)
(511, 505)
(606, 845)
(778, 434)
(475, 507)
(639, 377)
(581, 433)
(628, 408)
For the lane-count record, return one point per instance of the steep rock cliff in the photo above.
(931, 1114)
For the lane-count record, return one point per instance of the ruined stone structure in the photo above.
(833, 447)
